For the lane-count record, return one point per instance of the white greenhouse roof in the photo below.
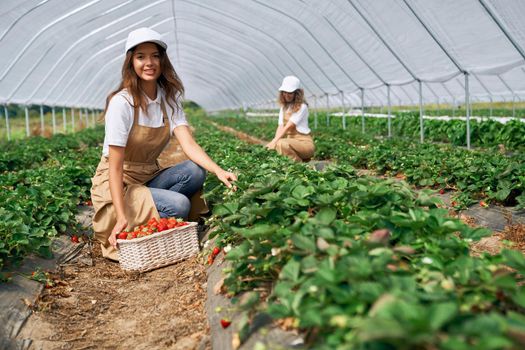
(232, 53)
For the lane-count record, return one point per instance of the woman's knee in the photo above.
(171, 203)
(196, 172)
(179, 206)
(282, 146)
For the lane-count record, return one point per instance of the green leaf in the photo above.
(291, 270)
(301, 191)
(238, 252)
(258, 231)
(225, 209)
(476, 233)
(442, 313)
(304, 243)
(326, 215)
(519, 297)
(514, 259)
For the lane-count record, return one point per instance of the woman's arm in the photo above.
(197, 154)
(116, 187)
(280, 132)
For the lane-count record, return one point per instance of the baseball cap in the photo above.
(290, 84)
(144, 35)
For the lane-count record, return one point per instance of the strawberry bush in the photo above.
(358, 262)
(475, 175)
(40, 200)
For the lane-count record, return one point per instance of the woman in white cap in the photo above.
(129, 186)
(292, 137)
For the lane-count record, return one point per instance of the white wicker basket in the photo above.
(159, 249)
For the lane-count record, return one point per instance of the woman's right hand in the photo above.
(119, 227)
(271, 144)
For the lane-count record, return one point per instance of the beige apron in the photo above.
(143, 147)
(297, 146)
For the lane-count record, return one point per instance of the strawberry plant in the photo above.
(37, 202)
(360, 262)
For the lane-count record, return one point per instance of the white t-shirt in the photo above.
(119, 117)
(299, 118)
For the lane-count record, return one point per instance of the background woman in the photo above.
(292, 137)
(129, 186)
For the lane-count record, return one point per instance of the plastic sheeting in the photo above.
(234, 53)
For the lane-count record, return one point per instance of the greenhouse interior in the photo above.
(342, 174)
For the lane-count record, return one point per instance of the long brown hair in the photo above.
(295, 105)
(168, 80)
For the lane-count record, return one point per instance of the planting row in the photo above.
(38, 202)
(31, 152)
(475, 175)
(486, 134)
(356, 262)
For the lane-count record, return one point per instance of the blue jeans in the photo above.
(173, 187)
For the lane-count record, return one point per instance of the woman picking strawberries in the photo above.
(129, 186)
(292, 136)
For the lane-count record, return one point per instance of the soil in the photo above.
(241, 135)
(100, 306)
(96, 305)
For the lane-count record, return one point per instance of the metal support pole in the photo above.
(315, 112)
(421, 125)
(467, 108)
(327, 109)
(453, 107)
(64, 119)
(344, 109)
(54, 120)
(513, 106)
(42, 120)
(490, 106)
(389, 111)
(362, 110)
(72, 120)
(27, 121)
(437, 112)
(8, 129)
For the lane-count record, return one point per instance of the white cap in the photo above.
(144, 35)
(290, 84)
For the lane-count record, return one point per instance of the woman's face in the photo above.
(288, 96)
(146, 62)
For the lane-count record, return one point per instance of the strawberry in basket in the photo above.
(153, 225)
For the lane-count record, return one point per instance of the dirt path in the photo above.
(241, 135)
(96, 305)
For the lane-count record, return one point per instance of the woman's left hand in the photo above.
(226, 177)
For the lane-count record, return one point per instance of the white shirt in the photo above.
(299, 118)
(119, 117)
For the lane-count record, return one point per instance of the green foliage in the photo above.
(474, 175)
(359, 262)
(42, 182)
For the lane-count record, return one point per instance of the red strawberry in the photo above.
(216, 251)
(483, 204)
(74, 239)
(225, 323)
(442, 191)
(210, 259)
(123, 235)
